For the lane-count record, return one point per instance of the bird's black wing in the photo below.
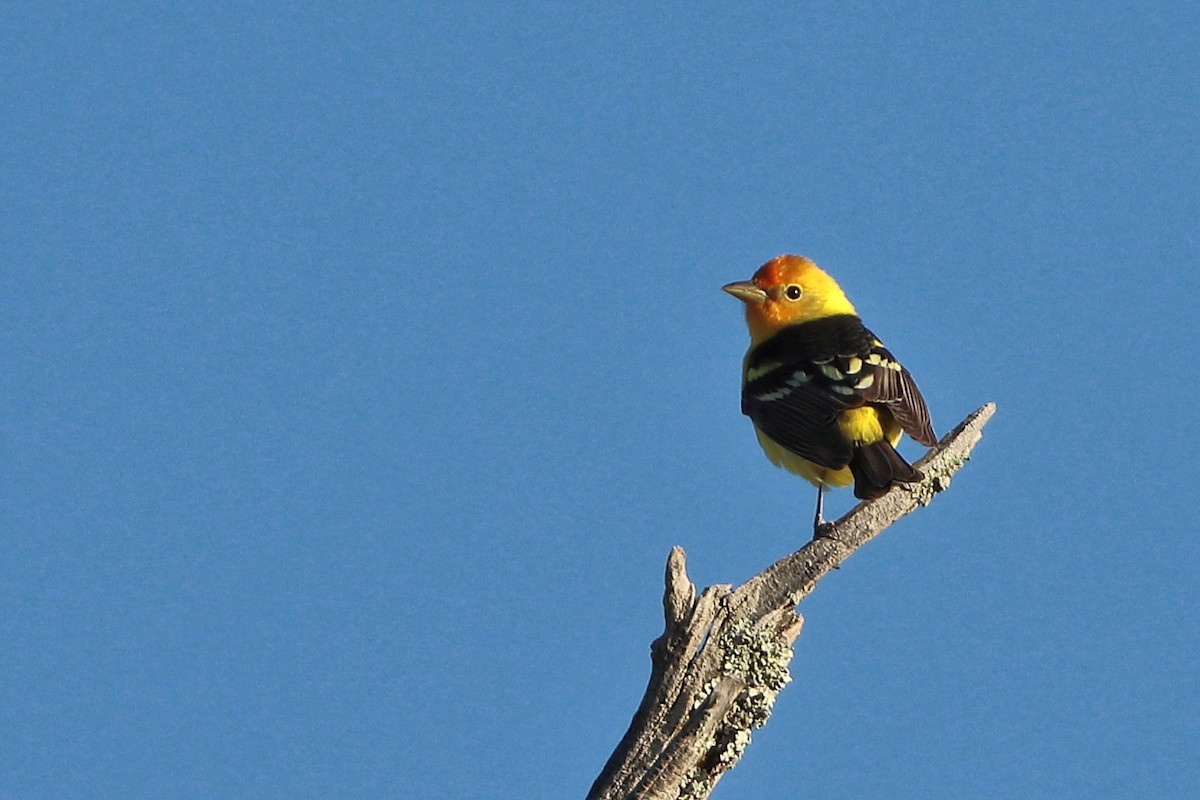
(801, 379)
(789, 393)
(894, 388)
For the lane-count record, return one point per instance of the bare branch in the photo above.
(723, 657)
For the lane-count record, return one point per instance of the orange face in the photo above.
(785, 291)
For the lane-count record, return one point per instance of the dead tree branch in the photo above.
(723, 656)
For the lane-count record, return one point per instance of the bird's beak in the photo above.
(746, 291)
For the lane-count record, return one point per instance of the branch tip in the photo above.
(680, 593)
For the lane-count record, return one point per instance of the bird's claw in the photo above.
(824, 530)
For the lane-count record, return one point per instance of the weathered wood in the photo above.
(723, 656)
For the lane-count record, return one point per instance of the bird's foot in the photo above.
(824, 530)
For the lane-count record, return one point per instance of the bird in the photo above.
(828, 401)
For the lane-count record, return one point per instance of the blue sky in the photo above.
(362, 365)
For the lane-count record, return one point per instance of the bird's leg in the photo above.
(821, 528)
(819, 519)
(819, 522)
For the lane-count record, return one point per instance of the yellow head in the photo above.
(786, 290)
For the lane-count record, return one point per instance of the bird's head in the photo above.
(786, 290)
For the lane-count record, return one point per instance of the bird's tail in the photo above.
(876, 467)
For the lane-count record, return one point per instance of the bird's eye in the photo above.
(793, 292)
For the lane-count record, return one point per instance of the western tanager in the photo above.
(827, 399)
